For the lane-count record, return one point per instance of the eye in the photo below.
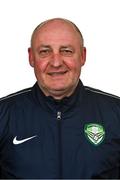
(66, 52)
(44, 52)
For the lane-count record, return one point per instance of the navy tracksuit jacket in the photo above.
(75, 138)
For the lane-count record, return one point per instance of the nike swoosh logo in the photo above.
(15, 141)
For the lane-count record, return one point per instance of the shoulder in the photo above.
(17, 96)
(10, 105)
(101, 96)
(101, 93)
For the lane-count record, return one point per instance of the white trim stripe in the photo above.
(101, 92)
(15, 94)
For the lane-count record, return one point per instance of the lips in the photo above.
(57, 73)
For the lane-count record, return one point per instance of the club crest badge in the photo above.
(95, 133)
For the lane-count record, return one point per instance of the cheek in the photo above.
(40, 66)
(74, 65)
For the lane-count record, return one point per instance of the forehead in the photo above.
(56, 29)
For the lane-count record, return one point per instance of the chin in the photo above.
(57, 85)
(62, 88)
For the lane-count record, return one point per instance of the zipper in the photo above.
(58, 115)
(59, 144)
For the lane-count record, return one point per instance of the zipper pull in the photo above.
(58, 115)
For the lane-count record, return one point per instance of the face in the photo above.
(57, 57)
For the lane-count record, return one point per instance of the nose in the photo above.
(56, 60)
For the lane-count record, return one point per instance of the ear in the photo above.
(83, 56)
(30, 55)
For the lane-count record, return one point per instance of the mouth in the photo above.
(57, 73)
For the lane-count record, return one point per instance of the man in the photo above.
(59, 129)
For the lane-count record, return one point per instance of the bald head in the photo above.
(67, 22)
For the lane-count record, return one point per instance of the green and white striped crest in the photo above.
(95, 133)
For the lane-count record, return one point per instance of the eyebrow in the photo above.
(67, 46)
(44, 46)
(61, 47)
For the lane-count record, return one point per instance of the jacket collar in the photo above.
(50, 104)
